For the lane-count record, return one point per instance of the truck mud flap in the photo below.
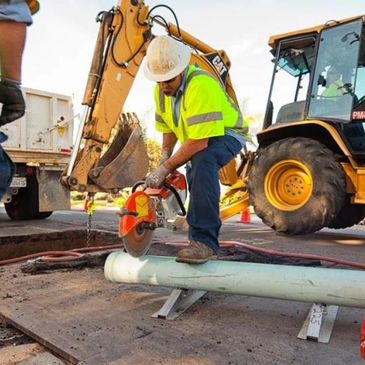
(125, 161)
(52, 194)
(6, 167)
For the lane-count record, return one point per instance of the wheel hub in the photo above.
(288, 185)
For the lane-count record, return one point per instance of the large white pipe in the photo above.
(298, 283)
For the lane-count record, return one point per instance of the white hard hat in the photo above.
(166, 58)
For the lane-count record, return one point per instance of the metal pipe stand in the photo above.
(317, 285)
(319, 323)
(178, 302)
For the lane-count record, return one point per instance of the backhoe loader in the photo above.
(309, 169)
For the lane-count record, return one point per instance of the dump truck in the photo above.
(39, 144)
(309, 168)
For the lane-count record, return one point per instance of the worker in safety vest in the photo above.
(193, 108)
(15, 16)
(335, 87)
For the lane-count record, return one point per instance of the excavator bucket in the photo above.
(126, 160)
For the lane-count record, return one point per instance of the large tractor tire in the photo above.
(25, 204)
(297, 186)
(349, 215)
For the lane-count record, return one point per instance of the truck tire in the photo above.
(43, 215)
(25, 204)
(349, 215)
(296, 186)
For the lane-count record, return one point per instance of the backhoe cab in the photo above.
(310, 167)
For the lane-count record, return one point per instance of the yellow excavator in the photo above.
(102, 163)
(309, 169)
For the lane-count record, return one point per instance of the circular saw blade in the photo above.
(138, 241)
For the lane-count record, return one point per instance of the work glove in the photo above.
(6, 167)
(156, 178)
(12, 99)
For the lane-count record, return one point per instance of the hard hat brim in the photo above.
(184, 61)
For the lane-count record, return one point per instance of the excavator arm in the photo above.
(110, 152)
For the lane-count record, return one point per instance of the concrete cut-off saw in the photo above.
(148, 209)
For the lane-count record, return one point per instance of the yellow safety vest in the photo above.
(205, 109)
(33, 6)
(334, 90)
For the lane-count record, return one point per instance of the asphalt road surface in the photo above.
(219, 329)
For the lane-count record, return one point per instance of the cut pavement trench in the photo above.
(21, 245)
(18, 245)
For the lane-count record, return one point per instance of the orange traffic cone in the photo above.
(245, 216)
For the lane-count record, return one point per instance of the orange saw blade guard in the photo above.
(138, 208)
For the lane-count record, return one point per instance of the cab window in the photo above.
(332, 92)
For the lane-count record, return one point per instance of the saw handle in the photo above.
(137, 184)
(167, 186)
(177, 196)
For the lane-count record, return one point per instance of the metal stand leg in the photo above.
(178, 302)
(319, 323)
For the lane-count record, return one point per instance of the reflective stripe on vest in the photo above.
(162, 101)
(159, 118)
(207, 117)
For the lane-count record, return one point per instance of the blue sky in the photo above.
(61, 41)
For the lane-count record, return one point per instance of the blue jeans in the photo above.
(6, 168)
(203, 181)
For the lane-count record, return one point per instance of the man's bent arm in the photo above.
(187, 150)
(168, 143)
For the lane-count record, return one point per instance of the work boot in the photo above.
(196, 253)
